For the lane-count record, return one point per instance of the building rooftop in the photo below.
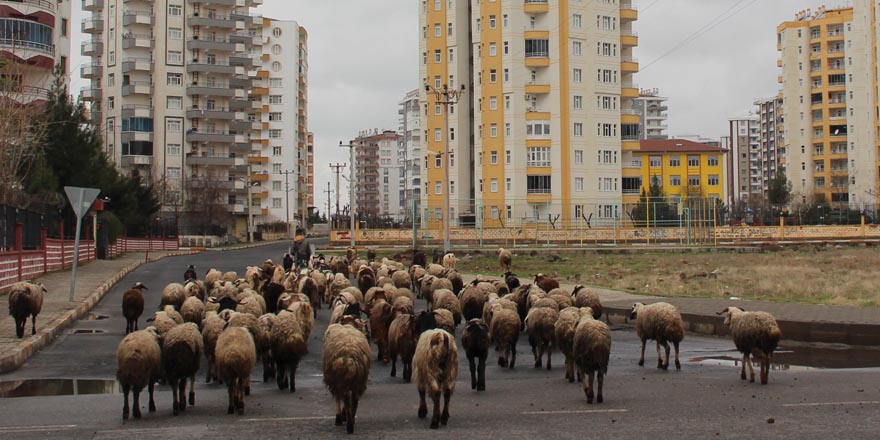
(676, 145)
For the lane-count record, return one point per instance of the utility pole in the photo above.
(351, 202)
(250, 211)
(287, 199)
(337, 168)
(446, 96)
(328, 201)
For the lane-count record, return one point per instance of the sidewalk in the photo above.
(806, 323)
(93, 281)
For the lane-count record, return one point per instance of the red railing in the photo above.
(56, 254)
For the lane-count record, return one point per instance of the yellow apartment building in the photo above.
(684, 169)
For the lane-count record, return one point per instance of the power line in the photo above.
(649, 6)
(721, 18)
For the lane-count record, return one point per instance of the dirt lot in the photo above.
(813, 274)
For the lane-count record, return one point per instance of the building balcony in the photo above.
(137, 88)
(245, 38)
(537, 59)
(92, 48)
(137, 136)
(629, 38)
(137, 111)
(241, 83)
(212, 20)
(87, 5)
(92, 25)
(245, 104)
(537, 89)
(536, 7)
(219, 136)
(245, 125)
(243, 59)
(90, 94)
(629, 64)
(202, 67)
(137, 65)
(142, 41)
(205, 160)
(628, 11)
(629, 91)
(207, 42)
(136, 160)
(211, 89)
(219, 113)
(130, 18)
(91, 71)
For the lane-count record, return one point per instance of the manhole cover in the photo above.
(87, 331)
(95, 317)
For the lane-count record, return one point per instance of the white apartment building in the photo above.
(409, 155)
(651, 108)
(764, 163)
(744, 144)
(35, 36)
(204, 99)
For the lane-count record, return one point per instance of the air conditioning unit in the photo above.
(528, 97)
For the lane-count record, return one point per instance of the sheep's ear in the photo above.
(212, 300)
(721, 312)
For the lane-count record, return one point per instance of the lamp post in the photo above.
(446, 96)
(351, 184)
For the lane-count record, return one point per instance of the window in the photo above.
(493, 76)
(538, 184)
(175, 10)
(713, 161)
(437, 56)
(674, 180)
(577, 75)
(175, 33)
(493, 158)
(438, 188)
(438, 161)
(654, 161)
(276, 202)
(276, 185)
(578, 129)
(493, 185)
(275, 134)
(438, 31)
(492, 22)
(276, 151)
(693, 180)
(506, 75)
(493, 130)
(451, 188)
(175, 79)
(275, 116)
(493, 50)
(693, 161)
(576, 48)
(173, 126)
(578, 102)
(276, 32)
(174, 102)
(507, 184)
(438, 135)
(173, 149)
(276, 83)
(538, 157)
(276, 168)
(507, 156)
(493, 103)
(111, 102)
(173, 172)
(579, 184)
(713, 180)
(675, 161)
(276, 99)
(579, 157)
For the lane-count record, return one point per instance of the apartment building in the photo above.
(683, 169)
(651, 109)
(745, 146)
(541, 119)
(35, 36)
(377, 175)
(207, 101)
(764, 163)
(410, 156)
(829, 89)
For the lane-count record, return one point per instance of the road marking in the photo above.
(13, 429)
(288, 419)
(585, 411)
(866, 402)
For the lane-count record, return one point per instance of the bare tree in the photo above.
(205, 203)
(22, 129)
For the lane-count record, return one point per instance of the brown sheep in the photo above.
(174, 295)
(133, 306)
(505, 259)
(139, 365)
(660, 322)
(755, 334)
(592, 350)
(445, 299)
(192, 310)
(25, 298)
(288, 347)
(402, 306)
(181, 355)
(380, 320)
(475, 340)
(346, 368)
(584, 297)
(435, 368)
(402, 337)
(546, 283)
(541, 324)
(504, 331)
(236, 358)
(212, 326)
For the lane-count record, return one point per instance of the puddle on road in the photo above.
(95, 317)
(87, 331)
(56, 387)
(803, 358)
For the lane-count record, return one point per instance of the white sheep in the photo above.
(288, 347)
(236, 357)
(505, 258)
(504, 331)
(173, 294)
(541, 324)
(661, 322)
(139, 365)
(449, 261)
(25, 298)
(193, 310)
(212, 326)
(755, 334)
(592, 350)
(435, 368)
(563, 332)
(346, 368)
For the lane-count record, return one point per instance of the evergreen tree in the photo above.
(780, 189)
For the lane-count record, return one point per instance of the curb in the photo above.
(35, 343)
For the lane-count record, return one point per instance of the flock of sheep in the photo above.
(268, 315)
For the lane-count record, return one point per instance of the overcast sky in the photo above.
(363, 58)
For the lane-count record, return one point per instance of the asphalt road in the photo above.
(704, 400)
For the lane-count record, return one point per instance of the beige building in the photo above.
(206, 100)
(829, 87)
(546, 89)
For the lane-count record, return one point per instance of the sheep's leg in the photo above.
(473, 366)
(765, 369)
(192, 390)
(173, 384)
(241, 386)
(136, 403)
(502, 356)
(33, 325)
(665, 363)
(659, 356)
(549, 351)
(537, 354)
(181, 387)
(444, 418)
(751, 369)
(423, 407)
(569, 373)
(349, 412)
(600, 378)
(151, 387)
(393, 364)
(339, 416)
(481, 373)
(293, 376)
(407, 370)
(590, 376)
(125, 408)
(512, 348)
(742, 374)
(230, 409)
(281, 375)
(435, 418)
(642, 357)
(677, 363)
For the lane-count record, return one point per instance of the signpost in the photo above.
(81, 200)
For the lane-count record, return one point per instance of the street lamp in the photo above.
(446, 96)
(351, 184)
